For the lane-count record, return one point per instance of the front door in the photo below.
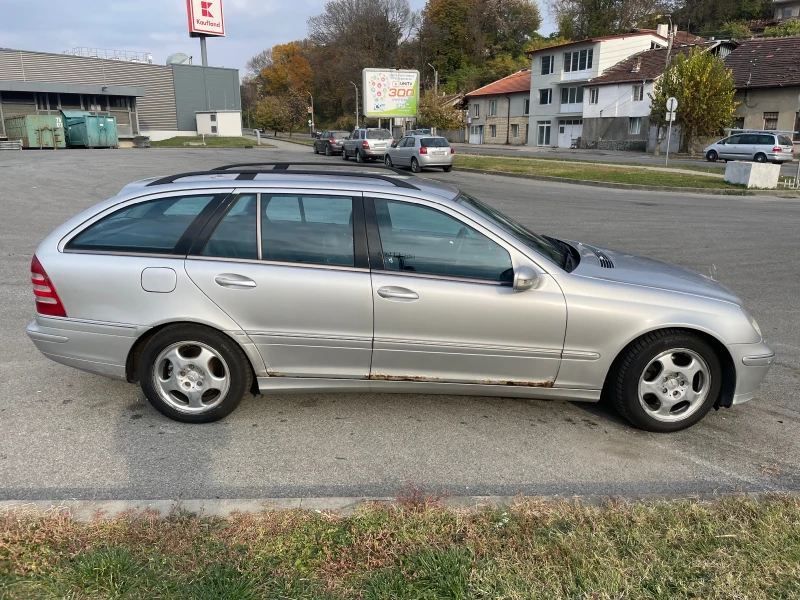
(543, 137)
(444, 307)
(476, 134)
(298, 283)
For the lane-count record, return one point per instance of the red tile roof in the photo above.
(517, 82)
(766, 63)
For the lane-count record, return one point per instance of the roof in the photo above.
(599, 39)
(516, 82)
(766, 63)
(651, 65)
(681, 37)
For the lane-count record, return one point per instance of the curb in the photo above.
(90, 510)
(633, 186)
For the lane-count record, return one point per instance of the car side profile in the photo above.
(758, 146)
(297, 278)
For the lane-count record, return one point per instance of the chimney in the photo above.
(663, 30)
(637, 66)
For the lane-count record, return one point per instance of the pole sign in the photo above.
(205, 18)
(391, 93)
(672, 104)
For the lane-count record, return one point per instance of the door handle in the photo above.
(230, 280)
(397, 292)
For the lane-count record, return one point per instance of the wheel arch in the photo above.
(135, 353)
(726, 360)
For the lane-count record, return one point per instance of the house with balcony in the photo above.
(786, 9)
(559, 76)
(497, 113)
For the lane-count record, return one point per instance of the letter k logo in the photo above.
(205, 7)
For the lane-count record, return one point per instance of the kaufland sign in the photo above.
(205, 17)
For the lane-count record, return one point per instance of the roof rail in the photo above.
(250, 174)
(284, 165)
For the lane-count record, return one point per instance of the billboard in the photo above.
(205, 18)
(391, 93)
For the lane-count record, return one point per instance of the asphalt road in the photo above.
(67, 434)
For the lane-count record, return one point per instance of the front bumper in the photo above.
(752, 363)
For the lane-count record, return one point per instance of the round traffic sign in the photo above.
(672, 104)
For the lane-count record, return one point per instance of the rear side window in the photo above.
(235, 236)
(153, 227)
(307, 229)
(434, 143)
(766, 140)
(378, 134)
(785, 140)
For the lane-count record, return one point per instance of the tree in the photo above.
(785, 29)
(705, 92)
(735, 30)
(580, 19)
(433, 112)
(271, 113)
(709, 16)
(287, 69)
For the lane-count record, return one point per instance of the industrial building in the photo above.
(146, 99)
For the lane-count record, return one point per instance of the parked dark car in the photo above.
(330, 142)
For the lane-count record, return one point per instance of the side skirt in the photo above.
(301, 385)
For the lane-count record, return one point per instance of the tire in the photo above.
(712, 156)
(387, 160)
(760, 157)
(415, 166)
(636, 369)
(180, 346)
(328, 150)
(315, 149)
(344, 154)
(359, 156)
(447, 169)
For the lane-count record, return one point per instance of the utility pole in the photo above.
(670, 37)
(312, 115)
(355, 86)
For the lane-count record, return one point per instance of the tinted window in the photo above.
(307, 229)
(766, 140)
(154, 227)
(748, 139)
(434, 143)
(378, 134)
(423, 240)
(235, 236)
(785, 140)
(734, 139)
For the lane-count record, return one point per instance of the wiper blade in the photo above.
(569, 259)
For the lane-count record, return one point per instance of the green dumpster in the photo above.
(36, 131)
(85, 130)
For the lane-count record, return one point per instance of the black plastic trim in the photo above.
(360, 245)
(246, 175)
(202, 235)
(373, 236)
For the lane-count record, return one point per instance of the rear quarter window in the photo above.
(785, 140)
(153, 227)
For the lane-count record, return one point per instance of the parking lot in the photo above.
(68, 434)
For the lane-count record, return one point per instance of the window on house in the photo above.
(796, 135)
(526, 106)
(476, 110)
(638, 93)
(515, 130)
(213, 118)
(594, 95)
(547, 65)
(213, 129)
(787, 13)
(580, 60)
(635, 125)
(573, 95)
(656, 46)
(492, 108)
(770, 121)
(492, 130)
(546, 96)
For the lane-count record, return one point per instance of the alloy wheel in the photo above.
(191, 377)
(674, 385)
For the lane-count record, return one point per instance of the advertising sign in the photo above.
(391, 93)
(205, 18)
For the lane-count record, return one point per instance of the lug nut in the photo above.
(191, 367)
(683, 383)
(187, 384)
(199, 384)
(183, 373)
(664, 391)
(676, 394)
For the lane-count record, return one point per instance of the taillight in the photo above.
(777, 149)
(423, 150)
(332, 141)
(452, 150)
(47, 300)
(365, 145)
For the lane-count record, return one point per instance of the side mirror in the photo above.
(525, 278)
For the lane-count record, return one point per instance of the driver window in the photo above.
(422, 240)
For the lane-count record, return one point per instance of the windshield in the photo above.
(378, 134)
(557, 254)
(434, 143)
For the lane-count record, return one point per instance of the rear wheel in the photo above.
(760, 157)
(415, 165)
(447, 169)
(712, 156)
(194, 374)
(666, 381)
(359, 156)
(315, 149)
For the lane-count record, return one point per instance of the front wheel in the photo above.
(328, 150)
(315, 149)
(712, 156)
(666, 380)
(194, 374)
(387, 160)
(415, 165)
(344, 154)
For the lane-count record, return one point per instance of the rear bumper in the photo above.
(780, 156)
(426, 160)
(374, 152)
(752, 362)
(100, 348)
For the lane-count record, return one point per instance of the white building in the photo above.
(559, 76)
(220, 123)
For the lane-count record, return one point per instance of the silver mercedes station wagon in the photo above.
(283, 277)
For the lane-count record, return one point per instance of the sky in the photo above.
(157, 26)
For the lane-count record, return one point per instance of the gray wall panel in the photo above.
(198, 88)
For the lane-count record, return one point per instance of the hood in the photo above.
(640, 270)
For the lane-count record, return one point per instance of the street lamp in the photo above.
(435, 80)
(311, 127)
(355, 86)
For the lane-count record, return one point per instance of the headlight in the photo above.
(753, 322)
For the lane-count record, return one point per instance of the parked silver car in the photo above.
(367, 143)
(198, 284)
(420, 152)
(761, 147)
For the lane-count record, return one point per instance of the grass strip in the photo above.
(305, 141)
(211, 142)
(416, 549)
(589, 172)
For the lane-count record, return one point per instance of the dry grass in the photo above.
(416, 549)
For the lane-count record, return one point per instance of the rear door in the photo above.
(290, 267)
